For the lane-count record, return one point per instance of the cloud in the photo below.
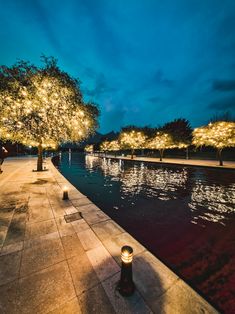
(101, 86)
(227, 103)
(113, 119)
(154, 99)
(158, 78)
(223, 85)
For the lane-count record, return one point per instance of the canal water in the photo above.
(184, 215)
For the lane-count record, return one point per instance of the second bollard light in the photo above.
(65, 193)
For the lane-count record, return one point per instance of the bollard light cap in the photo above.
(127, 254)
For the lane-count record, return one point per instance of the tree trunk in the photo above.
(39, 162)
(161, 154)
(220, 157)
(187, 156)
(132, 153)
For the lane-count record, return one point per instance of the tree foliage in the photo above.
(43, 106)
(219, 134)
(111, 146)
(89, 148)
(161, 141)
(132, 139)
(180, 131)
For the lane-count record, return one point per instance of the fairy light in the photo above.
(110, 146)
(219, 135)
(161, 141)
(104, 146)
(89, 148)
(132, 139)
(47, 112)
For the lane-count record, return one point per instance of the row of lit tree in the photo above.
(219, 134)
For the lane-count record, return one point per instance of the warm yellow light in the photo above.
(127, 254)
(65, 188)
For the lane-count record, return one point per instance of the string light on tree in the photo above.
(89, 148)
(132, 140)
(220, 134)
(161, 141)
(43, 106)
(112, 146)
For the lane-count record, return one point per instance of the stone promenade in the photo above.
(178, 161)
(52, 265)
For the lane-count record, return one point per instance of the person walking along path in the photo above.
(3, 154)
(63, 256)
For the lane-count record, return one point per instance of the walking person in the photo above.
(3, 153)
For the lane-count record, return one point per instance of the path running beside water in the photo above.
(176, 161)
(50, 266)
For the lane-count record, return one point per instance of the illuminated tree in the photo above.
(112, 146)
(161, 141)
(43, 106)
(104, 146)
(219, 134)
(132, 140)
(89, 148)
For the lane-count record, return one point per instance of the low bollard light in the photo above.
(126, 286)
(65, 193)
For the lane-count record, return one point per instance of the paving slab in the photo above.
(83, 274)
(88, 207)
(80, 201)
(70, 307)
(45, 290)
(102, 262)
(88, 239)
(107, 229)
(42, 255)
(80, 225)
(93, 217)
(8, 298)
(9, 267)
(179, 298)
(11, 248)
(64, 227)
(102, 303)
(40, 228)
(157, 278)
(72, 245)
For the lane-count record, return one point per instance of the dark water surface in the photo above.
(184, 215)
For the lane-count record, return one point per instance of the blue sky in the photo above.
(145, 62)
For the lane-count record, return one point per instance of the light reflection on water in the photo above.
(219, 201)
(206, 200)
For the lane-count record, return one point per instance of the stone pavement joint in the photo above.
(48, 265)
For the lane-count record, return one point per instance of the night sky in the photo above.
(145, 62)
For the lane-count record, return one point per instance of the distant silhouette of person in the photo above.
(3, 153)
